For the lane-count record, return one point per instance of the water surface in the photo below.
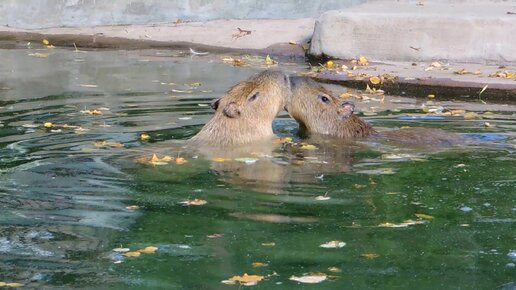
(426, 218)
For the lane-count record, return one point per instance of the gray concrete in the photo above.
(80, 13)
(385, 30)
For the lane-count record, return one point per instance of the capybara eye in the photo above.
(324, 99)
(253, 97)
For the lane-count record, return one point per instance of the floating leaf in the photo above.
(246, 279)
(45, 41)
(424, 216)
(308, 147)
(144, 136)
(121, 250)
(402, 225)
(431, 96)
(148, 250)
(194, 202)
(246, 160)
(259, 264)
(334, 269)
(47, 124)
(269, 244)
(470, 116)
(311, 278)
(92, 112)
(215, 236)
(132, 254)
(219, 159)
(329, 64)
(180, 160)
(321, 198)
(88, 86)
(370, 256)
(333, 245)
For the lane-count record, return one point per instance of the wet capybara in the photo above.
(245, 113)
(318, 111)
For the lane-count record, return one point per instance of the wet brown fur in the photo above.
(316, 117)
(239, 119)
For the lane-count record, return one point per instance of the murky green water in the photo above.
(65, 200)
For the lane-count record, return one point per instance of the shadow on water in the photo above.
(411, 217)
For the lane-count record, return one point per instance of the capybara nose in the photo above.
(348, 105)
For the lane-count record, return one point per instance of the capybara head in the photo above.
(318, 111)
(245, 113)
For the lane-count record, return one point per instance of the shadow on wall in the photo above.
(76, 13)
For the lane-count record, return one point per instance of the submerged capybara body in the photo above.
(318, 111)
(245, 113)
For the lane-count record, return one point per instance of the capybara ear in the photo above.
(231, 110)
(347, 109)
(215, 104)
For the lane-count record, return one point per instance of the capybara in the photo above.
(245, 113)
(318, 111)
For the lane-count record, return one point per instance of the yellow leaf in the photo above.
(47, 124)
(219, 159)
(329, 64)
(370, 256)
(247, 278)
(13, 285)
(362, 61)
(45, 41)
(430, 96)
(181, 160)
(424, 216)
(144, 136)
(194, 202)
(375, 80)
(259, 264)
(470, 115)
(132, 254)
(148, 250)
(308, 147)
(92, 112)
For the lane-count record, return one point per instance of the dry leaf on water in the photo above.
(247, 280)
(333, 245)
(311, 278)
(194, 202)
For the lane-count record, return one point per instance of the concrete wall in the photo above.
(77, 13)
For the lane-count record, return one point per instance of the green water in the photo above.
(63, 201)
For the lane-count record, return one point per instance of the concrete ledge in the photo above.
(446, 81)
(217, 35)
(480, 33)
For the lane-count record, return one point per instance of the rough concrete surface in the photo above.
(31, 14)
(256, 35)
(420, 31)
